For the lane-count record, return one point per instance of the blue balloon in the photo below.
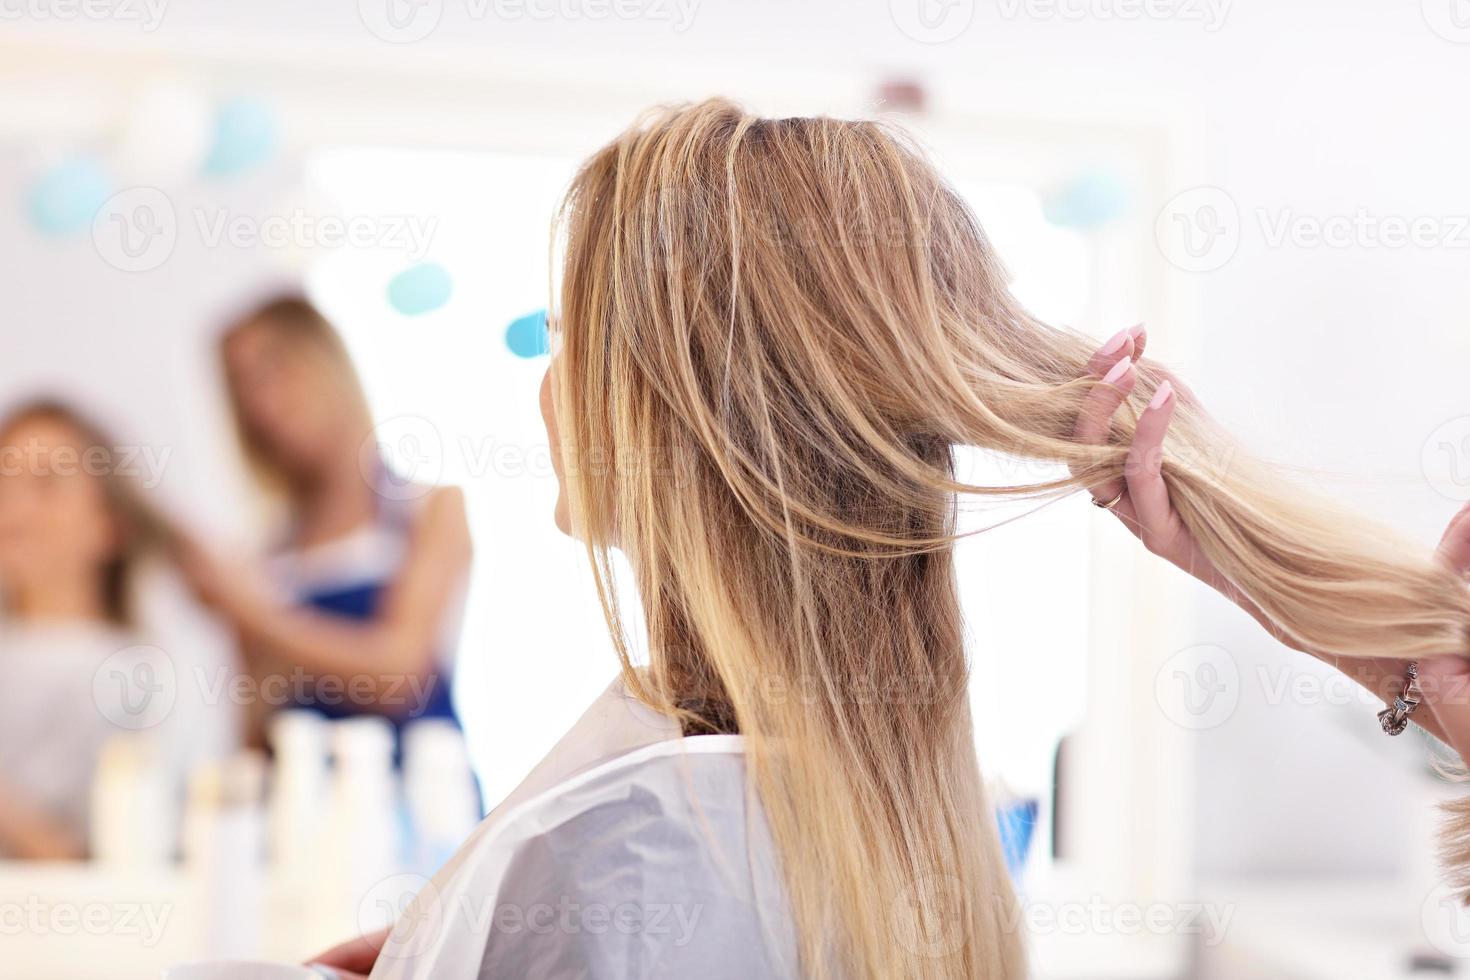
(421, 289)
(527, 337)
(67, 197)
(244, 137)
(1090, 200)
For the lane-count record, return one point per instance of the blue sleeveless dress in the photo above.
(350, 577)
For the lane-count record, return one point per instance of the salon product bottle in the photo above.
(443, 803)
(224, 852)
(298, 788)
(296, 821)
(133, 808)
(362, 831)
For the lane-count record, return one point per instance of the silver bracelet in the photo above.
(1395, 717)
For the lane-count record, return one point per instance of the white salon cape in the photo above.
(628, 853)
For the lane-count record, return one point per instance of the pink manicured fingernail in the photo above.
(1116, 343)
(1162, 395)
(1116, 372)
(1135, 330)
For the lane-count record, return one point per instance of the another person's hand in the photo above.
(1141, 501)
(28, 832)
(1444, 682)
(236, 592)
(354, 958)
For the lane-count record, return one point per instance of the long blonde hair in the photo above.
(773, 333)
(311, 338)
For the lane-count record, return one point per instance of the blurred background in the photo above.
(1276, 188)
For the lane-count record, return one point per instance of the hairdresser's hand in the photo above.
(1142, 498)
(1144, 507)
(354, 958)
(234, 591)
(1444, 682)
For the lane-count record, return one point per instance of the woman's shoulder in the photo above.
(432, 497)
(660, 859)
(416, 499)
(439, 512)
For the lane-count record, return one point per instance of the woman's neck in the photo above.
(337, 499)
(63, 598)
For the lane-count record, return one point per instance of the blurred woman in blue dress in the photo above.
(357, 611)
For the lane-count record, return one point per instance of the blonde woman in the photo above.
(357, 611)
(772, 335)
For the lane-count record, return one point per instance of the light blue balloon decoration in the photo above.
(244, 137)
(527, 337)
(420, 289)
(1090, 200)
(66, 198)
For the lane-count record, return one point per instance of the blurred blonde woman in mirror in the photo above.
(780, 329)
(357, 610)
(73, 532)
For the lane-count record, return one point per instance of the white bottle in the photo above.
(362, 832)
(298, 789)
(443, 803)
(296, 822)
(224, 852)
(134, 807)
